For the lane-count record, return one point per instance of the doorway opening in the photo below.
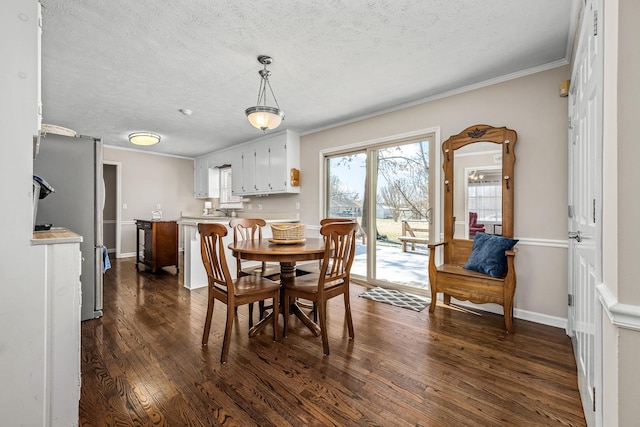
(111, 217)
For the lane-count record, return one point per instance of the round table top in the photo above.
(264, 250)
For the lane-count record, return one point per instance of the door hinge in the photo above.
(569, 123)
(570, 300)
(570, 211)
(594, 211)
(594, 399)
(595, 23)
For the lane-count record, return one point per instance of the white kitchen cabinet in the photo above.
(195, 275)
(59, 251)
(261, 183)
(263, 167)
(206, 178)
(279, 166)
(200, 178)
(237, 168)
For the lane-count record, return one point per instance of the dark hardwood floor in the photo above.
(143, 365)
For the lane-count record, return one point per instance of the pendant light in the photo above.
(263, 116)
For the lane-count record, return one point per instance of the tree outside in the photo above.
(402, 192)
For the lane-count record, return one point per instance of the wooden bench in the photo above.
(452, 279)
(409, 234)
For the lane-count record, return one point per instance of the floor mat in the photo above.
(397, 298)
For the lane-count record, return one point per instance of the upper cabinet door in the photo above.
(278, 172)
(201, 178)
(261, 177)
(237, 178)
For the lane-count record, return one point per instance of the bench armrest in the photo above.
(436, 244)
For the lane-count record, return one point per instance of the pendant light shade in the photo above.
(263, 116)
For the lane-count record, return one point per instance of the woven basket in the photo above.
(288, 231)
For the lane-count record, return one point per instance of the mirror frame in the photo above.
(480, 133)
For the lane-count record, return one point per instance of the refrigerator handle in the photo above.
(99, 239)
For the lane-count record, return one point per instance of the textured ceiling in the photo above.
(112, 67)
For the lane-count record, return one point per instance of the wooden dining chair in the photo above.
(309, 269)
(251, 229)
(244, 290)
(333, 279)
(325, 221)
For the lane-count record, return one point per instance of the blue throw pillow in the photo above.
(487, 255)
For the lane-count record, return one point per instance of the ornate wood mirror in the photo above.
(478, 185)
(478, 182)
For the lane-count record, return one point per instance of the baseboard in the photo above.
(127, 254)
(543, 319)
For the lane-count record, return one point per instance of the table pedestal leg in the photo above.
(288, 275)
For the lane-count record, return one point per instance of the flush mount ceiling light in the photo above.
(262, 116)
(144, 138)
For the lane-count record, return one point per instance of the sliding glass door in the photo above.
(346, 189)
(387, 188)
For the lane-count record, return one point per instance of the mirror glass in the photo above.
(477, 193)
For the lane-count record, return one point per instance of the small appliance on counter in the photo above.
(207, 208)
(41, 189)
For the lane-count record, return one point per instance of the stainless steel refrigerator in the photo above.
(73, 167)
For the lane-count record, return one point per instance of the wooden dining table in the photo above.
(287, 254)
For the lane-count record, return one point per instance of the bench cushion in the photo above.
(487, 255)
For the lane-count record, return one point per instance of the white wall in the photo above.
(531, 106)
(621, 204)
(149, 180)
(629, 204)
(22, 314)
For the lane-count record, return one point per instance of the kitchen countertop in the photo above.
(224, 220)
(54, 236)
(191, 218)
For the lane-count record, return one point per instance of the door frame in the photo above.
(435, 187)
(118, 166)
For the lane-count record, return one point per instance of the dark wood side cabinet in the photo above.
(160, 244)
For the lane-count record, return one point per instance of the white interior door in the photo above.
(585, 198)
